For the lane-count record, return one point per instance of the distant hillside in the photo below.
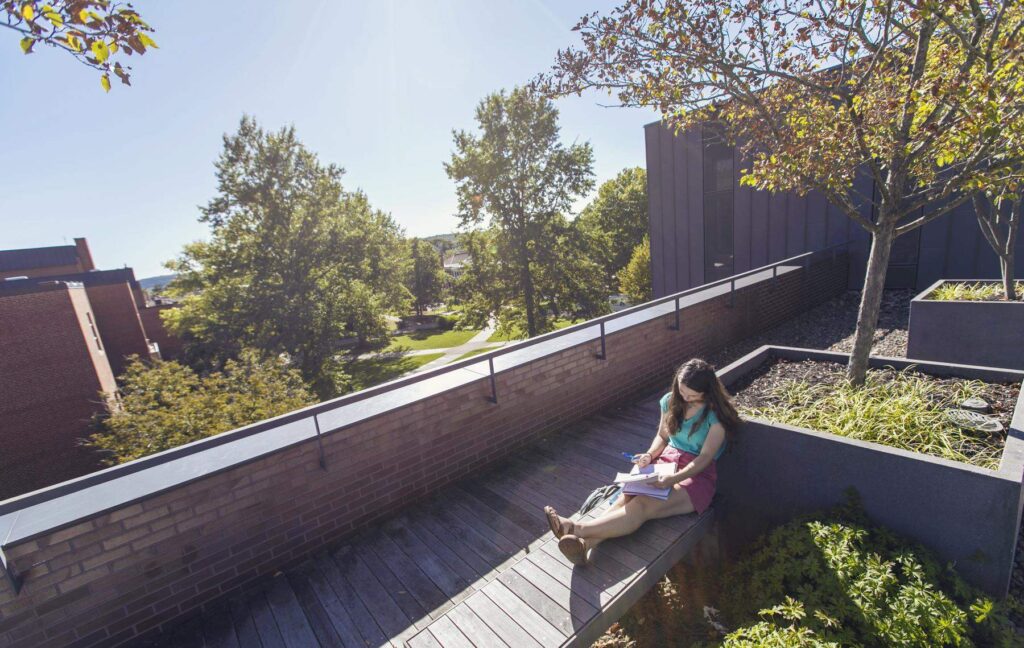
(441, 242)
(162, 280)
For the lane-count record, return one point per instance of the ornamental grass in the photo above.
(901, 409)
(980, 291)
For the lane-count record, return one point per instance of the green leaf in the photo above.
(27, 11)
(105, 82)
(147, 41)
(26, 44)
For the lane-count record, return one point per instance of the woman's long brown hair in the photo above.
(700, 376)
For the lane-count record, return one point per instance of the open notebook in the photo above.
(637, 481)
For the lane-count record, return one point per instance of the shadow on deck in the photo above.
(473, 565)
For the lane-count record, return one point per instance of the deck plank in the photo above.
(529, 619)
(388, 615)
(266, 625)
(291, 620)
(540, 602)
(362, 619)
(500, 622)
(448, 634)
(473, 627)
(218, 629)
(423, 589)
(241, 619)
(386, 575)
(319, 619)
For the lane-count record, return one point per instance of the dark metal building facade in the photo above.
(705, 226)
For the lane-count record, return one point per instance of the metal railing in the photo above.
(315, 411)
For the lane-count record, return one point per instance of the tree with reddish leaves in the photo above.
(924, 96)
(95, 32)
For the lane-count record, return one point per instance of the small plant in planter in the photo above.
(902, 409)
(968, 322)
(979, 291)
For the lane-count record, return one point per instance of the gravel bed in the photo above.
(829, 326)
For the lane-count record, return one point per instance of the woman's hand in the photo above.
(642, 460)
(664, 481)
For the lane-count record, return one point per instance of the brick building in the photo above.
(46, 261)
(66, 329)
(53, 368)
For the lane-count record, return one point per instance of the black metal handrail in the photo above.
(313, 411)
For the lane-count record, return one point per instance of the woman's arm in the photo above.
(658, 444)
(714, 440)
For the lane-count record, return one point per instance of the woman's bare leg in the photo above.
(620, 521)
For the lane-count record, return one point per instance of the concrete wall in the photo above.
(137, 566)
(51, 376)
(951, 331)
(965, 514)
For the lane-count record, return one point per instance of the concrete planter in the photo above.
(988, 334)
(967, 515)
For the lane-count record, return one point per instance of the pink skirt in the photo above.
(700, 488)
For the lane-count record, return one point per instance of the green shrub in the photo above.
(833, 579)
(447, 322)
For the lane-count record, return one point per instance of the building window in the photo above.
(95, 335)
(718, 207)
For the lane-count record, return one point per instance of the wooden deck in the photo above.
(474, 566)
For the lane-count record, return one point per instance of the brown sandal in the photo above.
(555, 522)
(573, 548)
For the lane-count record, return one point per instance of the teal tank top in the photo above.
(692, 443)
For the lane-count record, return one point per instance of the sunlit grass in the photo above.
(429, 340)
(521, 335)
(980, 291)
(903, 410)
(373, 371)
(474, 352)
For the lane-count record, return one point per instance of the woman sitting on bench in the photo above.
(696, 416)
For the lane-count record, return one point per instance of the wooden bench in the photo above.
(543, 600)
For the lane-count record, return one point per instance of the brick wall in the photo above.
(119, 322)
(51, 375)
(170, 345)
(128, 572)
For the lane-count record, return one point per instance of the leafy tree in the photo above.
(165, 404)
(518, 176)
(616, 221)
(427, 274)
(922, 97)
(294, 263)
(635, 278)
(95, 32)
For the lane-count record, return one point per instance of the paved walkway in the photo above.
(478, 341)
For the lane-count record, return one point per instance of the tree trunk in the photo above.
(527, 280)
(1006, 268)
(871, 300)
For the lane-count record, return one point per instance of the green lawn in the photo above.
(518, 335)
(367, 373)
(476, 352)
(430, 340)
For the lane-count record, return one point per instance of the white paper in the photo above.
(642, 488)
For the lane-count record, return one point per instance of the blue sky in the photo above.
(376, 87)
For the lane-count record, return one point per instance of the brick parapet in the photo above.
(127, 572)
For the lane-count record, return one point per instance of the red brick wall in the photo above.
(119, 323)
(126, 573)
(51, 374)
(170, 345)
